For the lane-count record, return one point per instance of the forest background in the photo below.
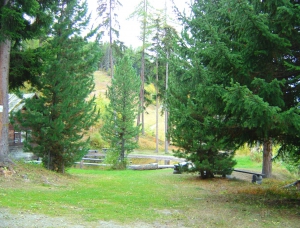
(222, 95)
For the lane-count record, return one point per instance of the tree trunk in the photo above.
(4, 108)
(166, 108)
(142, 94)
(122, 154)
(157, 106)
(140, 118)
(143, 67)
(110, 42)
(267, 158)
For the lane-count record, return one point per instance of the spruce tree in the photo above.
(163, 40)
(16, 26)
(243, 63)
(107, 12)
(119, 127)
(143, 12)
(64, 110)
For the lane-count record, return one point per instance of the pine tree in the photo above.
(16, 25)
(107, 11)
(143, 13)
(164, 39)
(63, 111)
(243, 61)
(156, 49)
(119, 124)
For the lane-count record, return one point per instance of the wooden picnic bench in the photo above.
(93, 157)
(256, 177)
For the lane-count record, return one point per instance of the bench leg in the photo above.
(257, 179)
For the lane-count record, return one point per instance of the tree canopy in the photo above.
(19, 20)
(63, 110)
(240, 81)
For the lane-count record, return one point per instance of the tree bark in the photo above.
(166, 108)
(143, 66)
(157, 106)
(4, 108)
(267, 158)
(110, 41)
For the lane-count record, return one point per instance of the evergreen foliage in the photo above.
(16, 26)
(24, 62)
(19, 20)
(107, 12)
(143, 13)
(241, 81)
(63, 110)
(118, 49)
(25, 66)
(119, 127)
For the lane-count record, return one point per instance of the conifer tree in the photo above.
(164, 38)
(241, 77)
(143, 13)
(107, 12)
(119, 127)
(63, 111)
(19, 20)
(156, 49)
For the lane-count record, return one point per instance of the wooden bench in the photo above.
(93, 157)
(256, 177)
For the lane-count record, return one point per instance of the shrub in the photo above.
(97, 142)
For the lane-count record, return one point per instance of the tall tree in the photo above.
(156, 49)
(118, 48)
(164, 38)
(169, 39)
(107, 11)
(119, 124)
(143, 13)
(63, 111)
(243, 61)
(19, 20)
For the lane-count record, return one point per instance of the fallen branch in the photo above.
(296, 183)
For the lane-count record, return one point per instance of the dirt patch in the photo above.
(20, 219)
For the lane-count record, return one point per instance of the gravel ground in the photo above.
(17, 220)
(10, 219)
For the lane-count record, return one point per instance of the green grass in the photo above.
(245, 162)
(152, 197)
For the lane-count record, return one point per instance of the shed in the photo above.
(16, 103)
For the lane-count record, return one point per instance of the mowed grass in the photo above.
(246, 162)
(150, 197)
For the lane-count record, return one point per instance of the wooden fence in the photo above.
(96, 158)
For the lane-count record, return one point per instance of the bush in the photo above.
(97, 142)
(113, 158)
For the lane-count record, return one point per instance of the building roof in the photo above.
(15, 103)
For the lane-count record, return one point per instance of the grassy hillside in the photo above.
(147, 142)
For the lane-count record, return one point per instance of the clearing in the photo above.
(34, 197)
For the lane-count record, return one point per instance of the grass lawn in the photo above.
(247, 163)
(150, 197)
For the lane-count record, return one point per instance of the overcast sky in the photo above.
(130, 29)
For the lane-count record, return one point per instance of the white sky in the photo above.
(130, 29)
